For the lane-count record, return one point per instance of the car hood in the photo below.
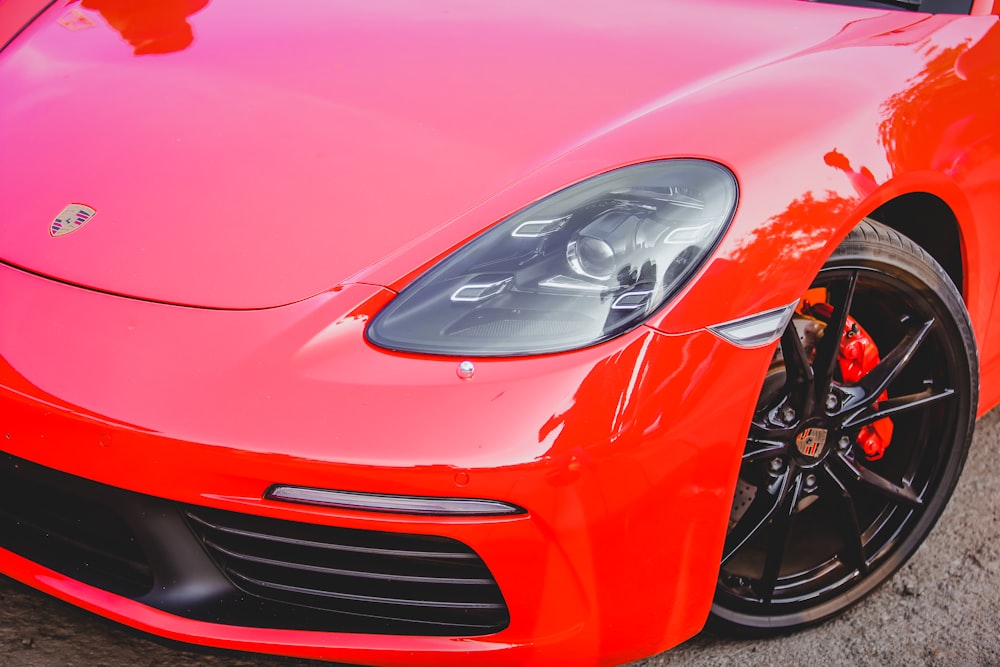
(247, 155)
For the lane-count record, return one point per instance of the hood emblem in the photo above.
(70, 219)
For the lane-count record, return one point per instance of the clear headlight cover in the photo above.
(581, 266)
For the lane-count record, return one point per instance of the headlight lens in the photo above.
(579, 267)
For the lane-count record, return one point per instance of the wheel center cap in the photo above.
(811, 441)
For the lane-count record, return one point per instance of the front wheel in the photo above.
(859, 436)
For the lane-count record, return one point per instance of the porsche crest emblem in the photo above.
(811, 441)
(71, 219)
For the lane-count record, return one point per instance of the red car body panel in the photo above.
(596, 473)
(309, 162)
(264, 129)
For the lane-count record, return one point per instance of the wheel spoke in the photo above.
(758, 448)
(860, 475)
(777, 540)
(896, 406)
(851, 526)
(761, 509)
(878, 379)
(840, 297)
(798, 370)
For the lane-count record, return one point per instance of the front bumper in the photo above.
(623, 455)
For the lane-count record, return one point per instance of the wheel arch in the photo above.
(929, 222)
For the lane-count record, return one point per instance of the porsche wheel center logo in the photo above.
(811, 441)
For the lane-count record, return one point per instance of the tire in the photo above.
(818, 522)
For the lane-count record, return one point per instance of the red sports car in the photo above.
(507, 333)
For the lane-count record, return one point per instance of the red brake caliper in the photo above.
(858, 355)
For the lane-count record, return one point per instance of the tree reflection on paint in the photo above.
(945, 104)
(150, 27)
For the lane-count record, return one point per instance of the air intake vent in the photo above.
(375, 582)
(43, 520)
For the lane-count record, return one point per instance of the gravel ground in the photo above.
(941, 609)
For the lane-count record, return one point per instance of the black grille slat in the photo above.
(368, 599)
(383, 564)
(364, 609)
(323, 545)
(430, 582)
(317, 569)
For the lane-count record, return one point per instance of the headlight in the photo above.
(579, 267)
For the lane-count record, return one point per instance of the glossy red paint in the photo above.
(308, 162)
(256, 134)
(594, 471)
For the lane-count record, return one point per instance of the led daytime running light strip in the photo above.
(376, 502)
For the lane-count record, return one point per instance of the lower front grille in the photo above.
(239, 569)
(376, 582)
(74, 535)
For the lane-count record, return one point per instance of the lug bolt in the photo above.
(788, 414)
(777, 465)
(844, 443)
(832, 402)
(810, 482)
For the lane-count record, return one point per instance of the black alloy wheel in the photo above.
(817, 521)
